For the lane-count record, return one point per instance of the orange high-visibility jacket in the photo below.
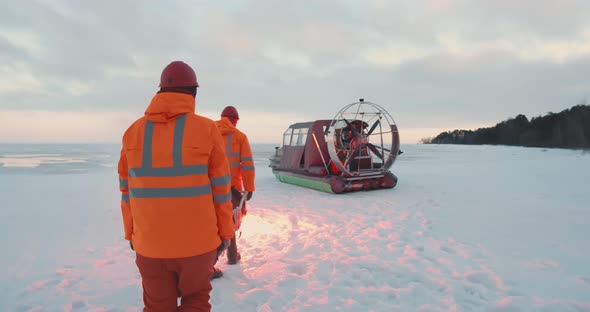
(175, 181)
(237, 149)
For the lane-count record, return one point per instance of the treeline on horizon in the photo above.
(568, 129)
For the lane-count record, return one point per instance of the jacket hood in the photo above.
(169, 105)
(225, 126)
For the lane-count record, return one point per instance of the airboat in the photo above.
(351, 152)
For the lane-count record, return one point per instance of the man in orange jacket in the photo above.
(239, 154)
(175, 183)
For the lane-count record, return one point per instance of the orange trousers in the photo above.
(164, 280)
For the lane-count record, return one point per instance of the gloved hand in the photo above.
(131, 245)
(223, 246)
(249, 195)
(244, 210)
(236, 195)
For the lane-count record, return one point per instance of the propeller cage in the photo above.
(362, 139)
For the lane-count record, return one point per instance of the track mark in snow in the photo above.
(76, 306)
(28, 308)
(103, 262)
(584, 281)
(40, 285)
(542, 264)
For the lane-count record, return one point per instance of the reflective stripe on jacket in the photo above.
(175, 181)
(239, 154)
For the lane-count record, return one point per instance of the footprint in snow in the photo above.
(447, 249)
(298, 268)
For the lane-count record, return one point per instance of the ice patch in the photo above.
(36, 160)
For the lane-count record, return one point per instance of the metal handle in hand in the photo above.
(238, 209)
(243, 199)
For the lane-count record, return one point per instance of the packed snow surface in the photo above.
(468, 228)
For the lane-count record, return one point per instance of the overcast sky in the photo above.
(82, 71)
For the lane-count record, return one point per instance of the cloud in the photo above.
(431, 64)
(18, 78)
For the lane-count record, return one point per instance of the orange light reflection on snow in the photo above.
(260, 231)
(271, 241)
(256, 225)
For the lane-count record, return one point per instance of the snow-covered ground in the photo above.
(468, 228)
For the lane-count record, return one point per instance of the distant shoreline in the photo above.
(569, 129)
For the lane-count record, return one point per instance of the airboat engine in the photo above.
(351, 152)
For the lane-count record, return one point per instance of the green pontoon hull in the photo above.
(337, 184)
(309, 182)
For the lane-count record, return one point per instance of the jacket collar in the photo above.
(168, 105)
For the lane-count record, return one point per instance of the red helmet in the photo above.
(231, 112)
(178, 74)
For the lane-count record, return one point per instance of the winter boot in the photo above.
(233, 256)
(217, 273)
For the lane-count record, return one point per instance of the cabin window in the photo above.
(287, 137)
(300, 136)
